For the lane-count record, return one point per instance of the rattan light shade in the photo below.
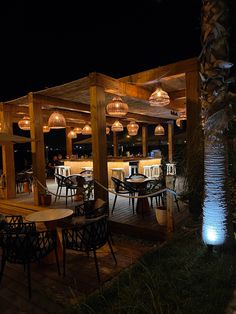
(87, 130)
(117, 126)
(56, 121)
(117, 108)
(72, 134)
(159, 98)
(24, 123)
(46, 129)
(159, 130)
(132, 128)
(78, 130)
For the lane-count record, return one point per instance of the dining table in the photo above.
(50, 218)
(140, 185)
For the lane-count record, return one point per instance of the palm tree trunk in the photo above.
(216, 229)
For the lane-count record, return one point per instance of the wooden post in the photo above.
(8, 155)
(99, 144)
(144, 141)
(115, 144)
(170, 141)
(195, 167)
(37, 147)
(68, 143)
(169, 206)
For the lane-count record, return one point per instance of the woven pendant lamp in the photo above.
(24, 123)
(159, 130)
(78, 130)
(72, 134)
(159, 98)
(117, 126)
(56, 121)
(117, 108)
(87, 130)
(132, 128)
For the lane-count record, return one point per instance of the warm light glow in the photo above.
(107, 130)
(46, 129)
(159, 130)
(87, 130)
(182, 116)
(159, 98)
(78, 130)
(132, 128)
(214, 207)
(117, 108)
(72, 134)
(117, 127)
(56, 121)
(24, 123)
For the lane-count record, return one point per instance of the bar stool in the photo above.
(170, 169)
(147, 171)
(118, 173)
(156, 171)
(133, 169)
(87, 168)
(66, 171)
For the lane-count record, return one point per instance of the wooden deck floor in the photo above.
(122, 220)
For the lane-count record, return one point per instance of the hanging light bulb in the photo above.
(107, 130)
(117, 127)
(72, 134)
(132, 128)
(78, 130)
(24, 123)
(117, 108)
(87, 130)
(56, 121)
(46, 129)
(159, 130)
(159, 98)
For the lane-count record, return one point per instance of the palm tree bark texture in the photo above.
(217, 228)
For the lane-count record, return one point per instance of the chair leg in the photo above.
(96, 264)
(64, 261)
(56, 194)
(114, 203)
(57, 261)
(112, 252)
(2, 264)
(133, 203)
(66, 196)
(177, 203)
(29, 279)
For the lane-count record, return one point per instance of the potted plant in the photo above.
(161, 215)
(45, 198)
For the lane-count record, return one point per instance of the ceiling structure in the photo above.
(73, 98)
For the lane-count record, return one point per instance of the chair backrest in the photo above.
(60, 179)
(118, 184)
(90, 236)
(26, 247)
(137, 175)
(91, 208)
(87, 173)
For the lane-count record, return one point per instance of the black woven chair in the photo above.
(87, 238)
(26, 248)
(91, 208)
(60, 184)
(121, 188)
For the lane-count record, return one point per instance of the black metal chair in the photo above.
(87, 238)
(91, 208)
(137, 175)
(121, 188)
(27, 247)
(60, 184)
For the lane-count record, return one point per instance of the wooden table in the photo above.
(139, 185)
(50, 217)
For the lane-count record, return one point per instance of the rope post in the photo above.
(169, 206)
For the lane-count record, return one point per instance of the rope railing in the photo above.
(155, 193)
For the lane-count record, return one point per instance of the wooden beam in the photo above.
(115, 144)
(170, 141)
(8, 155)
(144, 140)
(99, 144)
(37, 147)
(68, 143)
(184, 66)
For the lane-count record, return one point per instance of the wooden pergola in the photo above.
(84, 100)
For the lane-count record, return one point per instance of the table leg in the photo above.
(50, 258)
(142, 205)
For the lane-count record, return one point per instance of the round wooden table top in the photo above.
(49, 214)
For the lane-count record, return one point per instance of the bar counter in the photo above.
(78, 165)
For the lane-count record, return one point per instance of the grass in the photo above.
(180, 277)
